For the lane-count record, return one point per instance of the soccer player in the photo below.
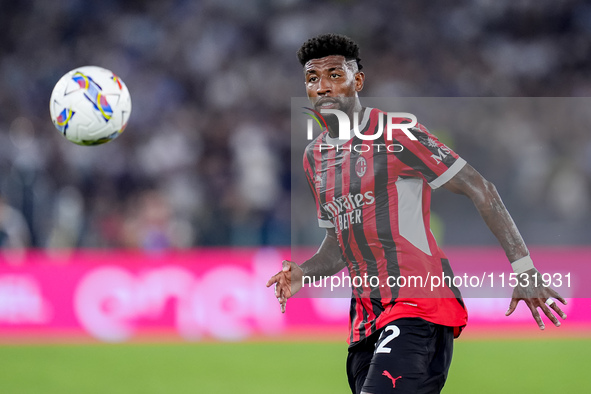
(374, 204)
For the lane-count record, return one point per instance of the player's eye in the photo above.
(335, 75)
(312, 79)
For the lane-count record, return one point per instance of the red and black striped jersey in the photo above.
(376, 194)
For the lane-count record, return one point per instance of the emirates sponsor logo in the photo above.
(348, 202)
(345, 211)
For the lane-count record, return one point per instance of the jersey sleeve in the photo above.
(312, 177)
(428, 156)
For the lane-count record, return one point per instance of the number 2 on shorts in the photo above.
(382, 346)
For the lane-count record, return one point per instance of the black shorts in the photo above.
(410, 354)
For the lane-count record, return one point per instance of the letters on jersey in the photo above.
(378, 201)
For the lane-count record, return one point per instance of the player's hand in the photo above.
(536, 297)
(287, 282)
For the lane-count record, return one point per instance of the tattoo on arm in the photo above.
(327, 261)
(485, 197)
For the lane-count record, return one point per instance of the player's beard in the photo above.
(344, 104)
(340, 103)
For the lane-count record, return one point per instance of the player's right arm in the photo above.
(485, 197)
(440, 166)
(326, 262)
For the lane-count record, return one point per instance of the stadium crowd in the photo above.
(206, 157)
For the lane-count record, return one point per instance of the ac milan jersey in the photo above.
(376, 195)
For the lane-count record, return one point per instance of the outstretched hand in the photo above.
(287, 282)
(531, 290)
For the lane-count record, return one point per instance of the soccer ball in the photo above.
(90, 105)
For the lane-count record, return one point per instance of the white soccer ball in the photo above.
(90, 105)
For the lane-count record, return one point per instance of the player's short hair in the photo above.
(327, 45)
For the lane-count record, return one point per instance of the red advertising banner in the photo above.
(220, 294)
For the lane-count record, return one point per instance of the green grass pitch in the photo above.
(485, 366)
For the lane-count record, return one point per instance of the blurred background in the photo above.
(202, 176)
(209, 79)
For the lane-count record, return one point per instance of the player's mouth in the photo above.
(327, 104)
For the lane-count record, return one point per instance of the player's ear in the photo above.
(359, 81)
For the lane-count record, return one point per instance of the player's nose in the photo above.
(324, 87)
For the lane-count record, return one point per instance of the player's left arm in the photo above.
(485, 197)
